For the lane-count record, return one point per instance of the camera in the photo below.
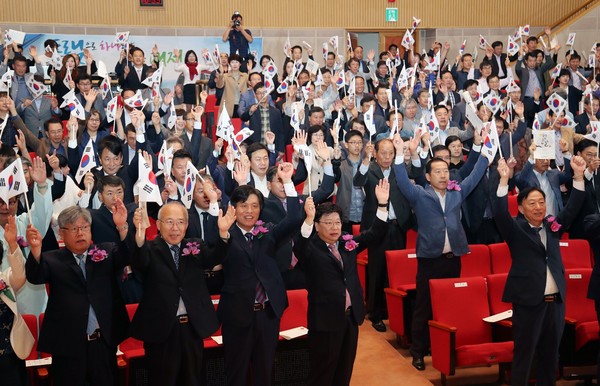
(236, 17)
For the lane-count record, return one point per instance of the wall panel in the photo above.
(348, 14)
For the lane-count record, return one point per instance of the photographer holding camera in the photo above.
(239, 38)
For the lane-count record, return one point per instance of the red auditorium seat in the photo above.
(500, 258)
(402, 274)
(411, 239)
(576, 254)
(476, 263)
(580, 338)
(459, 336)
(362, 261)
(513, 207)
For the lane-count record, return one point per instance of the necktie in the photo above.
(175, 250)
(92, 323)
(338, 257)
(204, 224)
(261, 294)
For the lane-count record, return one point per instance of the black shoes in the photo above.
(418, 363)
(379, 326)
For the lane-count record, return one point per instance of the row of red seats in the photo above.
(461, 338)
(482, 261)
(294, 316)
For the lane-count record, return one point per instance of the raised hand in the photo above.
(503, 170)
(38, 171)
(382, 191)
(270, 137)
(198, 111)
(285, 171)
(225, 221)
(10, 233)
(322, 151)
(309, 209)
(209, 191)
(578, 166)
(119, 213)
(398, 144)
(240, 173)
(53, 161)
(140, 226)
(34, 238)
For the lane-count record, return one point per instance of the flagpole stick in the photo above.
(28, 208)
(510, 142)
(309, 186)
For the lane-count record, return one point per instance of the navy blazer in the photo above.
(327, 280)
(432, 220)
(243, 267)
(527, 276)
(64, 330)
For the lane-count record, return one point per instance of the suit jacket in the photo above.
(526, 178)
(164, 284)
(527, 276)
(194, 230)
(583, 121)
(200, 147)
(35, 118)
(274, 212)
(589, 207)
(228, 84)
(243, 267)
(495, 67)
(275, 125)
(434, 221)
(132, 80)
(327, 280)
(523, 73)
(398, 200)
(65, 322)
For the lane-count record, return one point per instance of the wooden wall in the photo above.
(348, 14)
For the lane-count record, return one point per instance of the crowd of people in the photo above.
(389, 142)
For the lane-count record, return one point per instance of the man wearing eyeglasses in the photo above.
(86, 317)
(176, 311)
(335, 299)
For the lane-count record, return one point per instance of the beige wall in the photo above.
(344, 14)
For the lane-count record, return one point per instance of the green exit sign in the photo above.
(391, 15)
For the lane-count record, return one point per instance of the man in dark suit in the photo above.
(176, 312)
(399, 219)
(590, 113)
(441, 240)
(253, 296)
(276, 209)
(498, 59)
(110, 190)
(199, 146)
(536, 280)
(531, 86)
(263, 118)
(131, 73)
(85, 318)
(335, 299)
(202, 224)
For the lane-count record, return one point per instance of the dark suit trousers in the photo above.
(96, 367)
(176, 361)
(427, 269)
(537, 328)
(13, 370)
(395, 238)
(253, 345)
(332, 355)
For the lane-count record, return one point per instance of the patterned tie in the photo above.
(204, 224)
(175, 250)
(92, 323)
(338, 257)
(261, 294)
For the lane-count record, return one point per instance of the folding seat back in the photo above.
(476, 263)
(402, 268)
(500, 258)
(576, 253)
